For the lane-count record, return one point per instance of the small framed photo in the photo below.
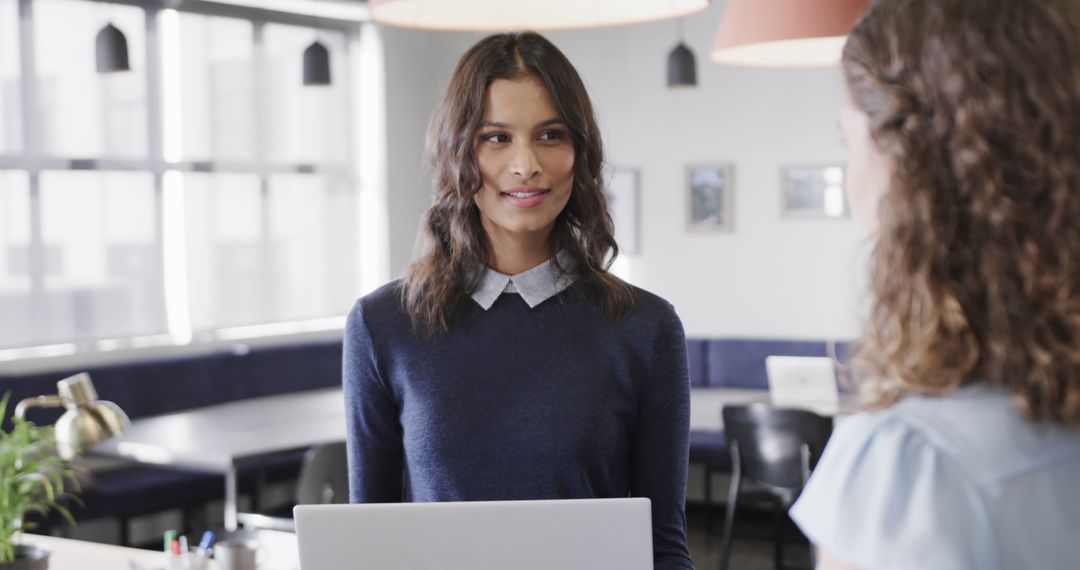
(710, 196)
(813, 191)
(624, 202)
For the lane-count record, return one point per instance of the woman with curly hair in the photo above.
(509, 363)
(963, 121)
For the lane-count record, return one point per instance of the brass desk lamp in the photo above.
(87, 421)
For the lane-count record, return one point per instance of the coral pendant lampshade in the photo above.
(504, 15)
(785, 33)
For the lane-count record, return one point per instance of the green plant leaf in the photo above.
(34, 479)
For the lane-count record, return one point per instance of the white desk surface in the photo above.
(706, 403)
(215, 437)
(68, 554)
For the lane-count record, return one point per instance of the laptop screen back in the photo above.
(799, 379)
(598, 534)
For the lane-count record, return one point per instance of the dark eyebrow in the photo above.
(542, 124)
(550, 122)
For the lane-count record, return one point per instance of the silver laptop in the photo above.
(802, 381)
(596, 534)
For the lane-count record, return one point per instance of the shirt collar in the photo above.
(535, 285)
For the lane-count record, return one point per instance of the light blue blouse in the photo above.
(961, 481)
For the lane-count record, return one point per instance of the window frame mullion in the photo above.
(31, 151)
(268, 291)
(155, 135)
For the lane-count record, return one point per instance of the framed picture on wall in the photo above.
(624, 201)
(812, 191)
(710, 197)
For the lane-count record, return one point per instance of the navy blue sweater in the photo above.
(553, 402)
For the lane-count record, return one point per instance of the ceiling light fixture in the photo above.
(508, 15)
(112, 50)
(785, 33)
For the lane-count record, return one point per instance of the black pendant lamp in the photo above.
(112, 50)
(681, 68)
(316, 64)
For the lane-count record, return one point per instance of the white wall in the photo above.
(418, 64)
(770, 278)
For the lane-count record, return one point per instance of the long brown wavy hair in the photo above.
(453, 246)
(975, 272)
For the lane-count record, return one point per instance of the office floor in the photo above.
(752, 546)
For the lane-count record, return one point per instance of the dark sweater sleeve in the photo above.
(661, 440)
(373, 424)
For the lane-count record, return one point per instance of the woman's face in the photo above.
(869, 170)
(526, 158)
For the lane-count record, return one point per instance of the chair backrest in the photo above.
(775, 446)
(324, 476)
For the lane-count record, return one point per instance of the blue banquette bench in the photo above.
(161, 385)
(740, 362)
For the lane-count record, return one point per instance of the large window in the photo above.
(98, 228)
(205, 189)
(223, 215)
(217, 88)
(308, 126)
(84, 113)
(10, 96)
(15, 261)
(310, 238)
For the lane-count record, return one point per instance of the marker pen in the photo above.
(170, 536)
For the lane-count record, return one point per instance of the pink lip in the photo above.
(531, 196)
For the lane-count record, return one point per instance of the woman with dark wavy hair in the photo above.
(509, 363)
(963, 121)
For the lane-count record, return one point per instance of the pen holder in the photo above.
(236, 554)
(194, 559)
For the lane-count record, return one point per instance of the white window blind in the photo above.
(10, 96)
(265, 220)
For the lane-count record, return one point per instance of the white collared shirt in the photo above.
(535, 285)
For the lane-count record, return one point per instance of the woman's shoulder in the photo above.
(880, 494)
(981, 428)
(648, 317)
(649, 304)
(379, 306)
(387, 295)
(978, 430)
(935, 469)
(645, 307)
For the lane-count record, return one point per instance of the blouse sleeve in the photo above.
(373, 425)
(660, 444)
(884, 496)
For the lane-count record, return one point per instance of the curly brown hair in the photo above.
(975, 272)
(454, 246)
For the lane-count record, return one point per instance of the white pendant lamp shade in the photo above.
(509, 15)
(785, 33)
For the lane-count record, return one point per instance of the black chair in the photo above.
(709, 449)
(324, 479)
(776, 449)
